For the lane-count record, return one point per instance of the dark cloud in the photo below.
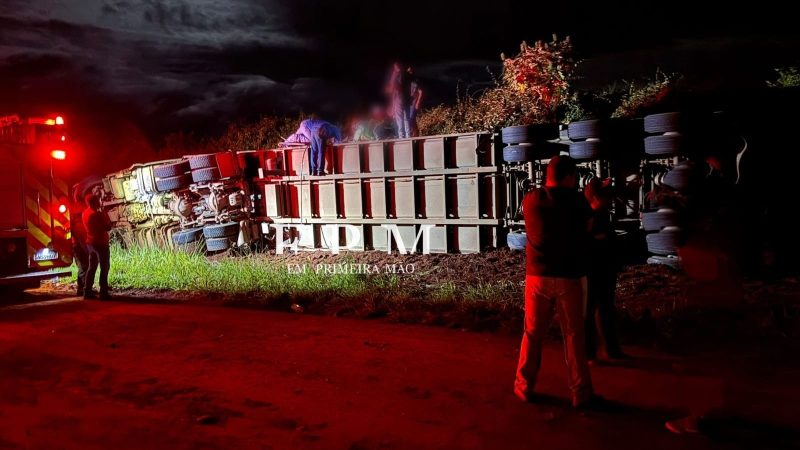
(170, 59)
(195, 64)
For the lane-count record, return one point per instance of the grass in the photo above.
(149, 268)
(424, 297)
(156, 269)
(259, 281)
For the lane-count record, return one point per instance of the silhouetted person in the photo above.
(97, 240)
(80, 252)
(374, 127)
(601, 314)
(557, 221)
(711, 253)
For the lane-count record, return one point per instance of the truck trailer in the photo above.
(457, 193)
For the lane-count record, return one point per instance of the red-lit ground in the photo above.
(120, 375)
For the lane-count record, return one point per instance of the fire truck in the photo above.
(35, 222)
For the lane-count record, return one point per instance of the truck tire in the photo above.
(584, 129)
(666, 145)
(670, 261)
(663, 123)
(202, 161)
(517, 240)
(205, 175)
(173, 183)
(230, 229)
(184, 237)
(665, 242)
(171, 170)
(681, 178)
(563, 133)
(218, 244)
(529, 133)
(518, 153)
(657, 220)
(585, 150)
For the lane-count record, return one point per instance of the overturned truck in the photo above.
(458, 193)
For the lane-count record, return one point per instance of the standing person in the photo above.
(711, 255)
(399, 91)
(78, 232)
(557, 221)
(601, 320)
(319, 133)
(97, 225)
(415, 94)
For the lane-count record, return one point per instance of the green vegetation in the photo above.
(160, 271)
(266, 132)
(622, 99)
(155, 269)
(787, 77)
(638, 97)
(533, 85)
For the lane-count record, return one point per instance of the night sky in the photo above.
(166, 65)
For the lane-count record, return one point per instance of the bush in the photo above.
(533, 85)
(265, 132)
(639, 98)
(787, 77)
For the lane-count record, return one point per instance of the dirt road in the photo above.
(121, 375)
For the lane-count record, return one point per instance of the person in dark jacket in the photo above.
(97, 241)
(601, 322)
(557, 222)
(79, 250)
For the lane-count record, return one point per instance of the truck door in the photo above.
(13, 242)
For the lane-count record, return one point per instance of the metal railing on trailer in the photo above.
(452, 182)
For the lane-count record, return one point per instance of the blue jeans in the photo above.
(317, 154)
(80, 255)
(412, 121)
(99, 255)
(401, 119)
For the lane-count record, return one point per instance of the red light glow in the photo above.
(59, 155)
(62, 208)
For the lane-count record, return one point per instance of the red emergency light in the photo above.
(62, 208)
(57, 121)
(58, 154)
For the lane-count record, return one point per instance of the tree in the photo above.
(533, 85)
(787, 77)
